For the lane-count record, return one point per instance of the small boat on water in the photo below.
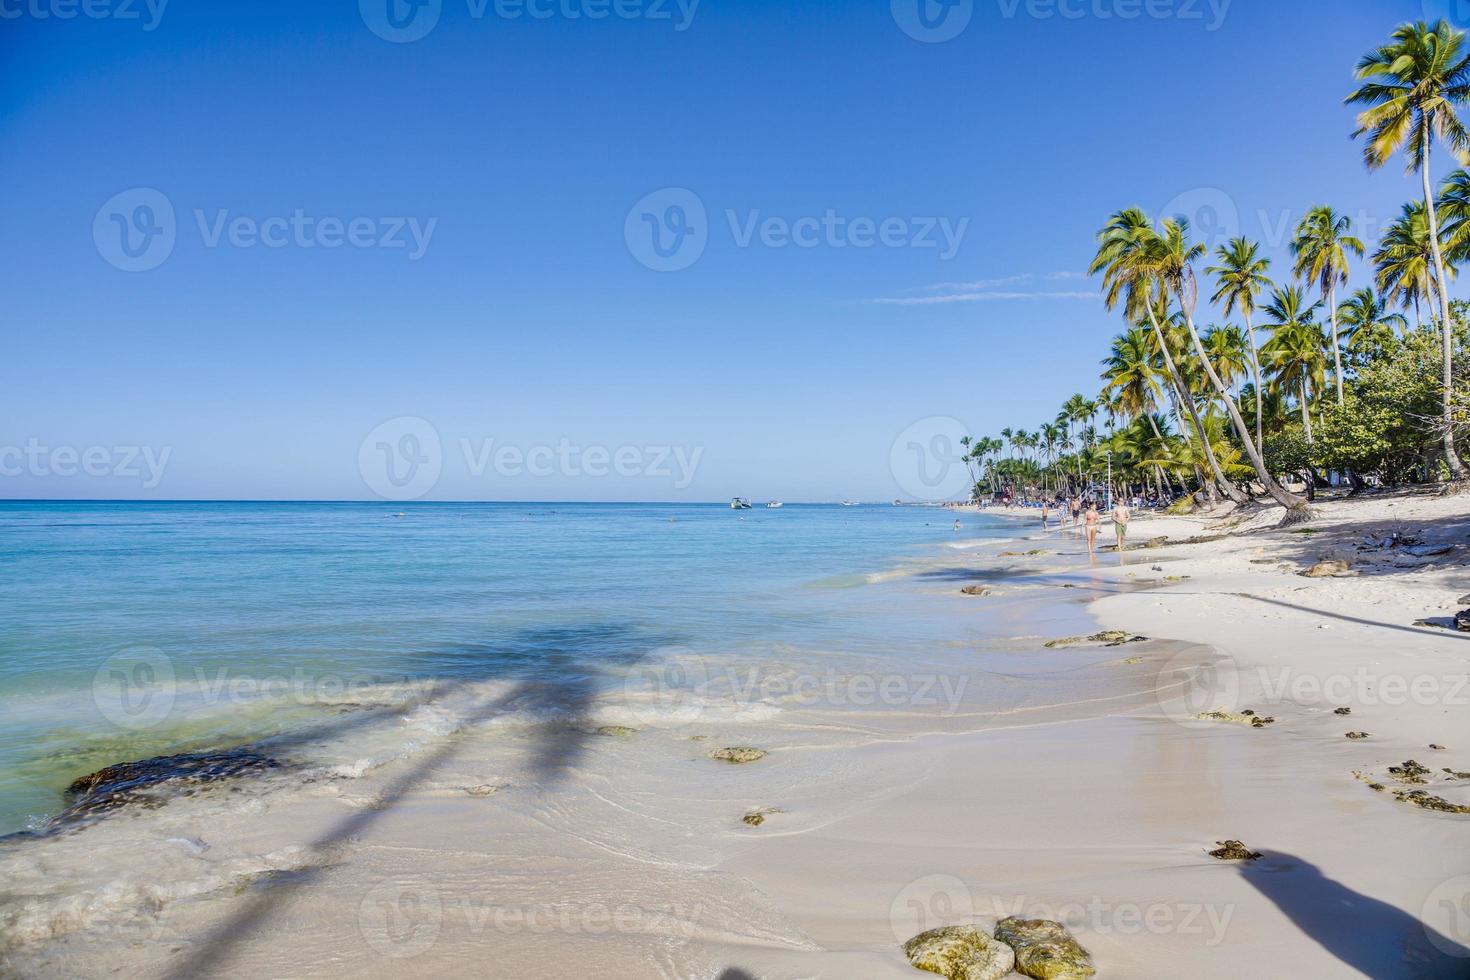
(774, 505)
(849, 503)
(740, 503)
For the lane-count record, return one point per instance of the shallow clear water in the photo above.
(132, 629)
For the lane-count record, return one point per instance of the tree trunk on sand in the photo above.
(1306, 415)
(1457, 469)
(1336, 347)
(1278, 493)
(1231, 490)
(1256, 371)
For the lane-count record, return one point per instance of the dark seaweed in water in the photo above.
(130, 783)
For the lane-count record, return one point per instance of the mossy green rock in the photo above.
(738, 754)
(1045, 949)
(960, 953)
(617, 731)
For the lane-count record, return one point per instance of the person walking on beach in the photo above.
(1045, 513)
(1093, 519)
(1121, 516)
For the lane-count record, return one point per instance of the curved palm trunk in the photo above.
(1278, 493)
(1336, 346)
(1457, 469)
(1256, 372)
(1230, 489)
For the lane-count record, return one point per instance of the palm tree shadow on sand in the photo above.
(1372, 937)
(564, 686)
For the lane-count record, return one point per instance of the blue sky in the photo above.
(525, 314)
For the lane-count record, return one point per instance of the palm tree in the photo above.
(1171, 257)
(1131, 375)
(1412, 86)
(1240, 277)
(1365, 319)
(1453, 208)
(1126, 257)
(1321, 247)
(1405, 260)
(1294, 353)
(1228, 351)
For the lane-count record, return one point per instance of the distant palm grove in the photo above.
(1321, 374)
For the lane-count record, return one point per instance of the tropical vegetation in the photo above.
(1301, 372)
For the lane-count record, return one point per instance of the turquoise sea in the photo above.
(136, 629)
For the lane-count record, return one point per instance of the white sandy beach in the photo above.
(1091, 795)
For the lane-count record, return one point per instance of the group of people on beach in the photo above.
(1083, 512)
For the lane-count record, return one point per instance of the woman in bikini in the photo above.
(1092, 520)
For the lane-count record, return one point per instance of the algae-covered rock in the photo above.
(616, 731)
(1107, 638)
(1342, 711)
(143, 782)
(1409, 772)
(1357, 736)
(977, 590)
(738, 754)
(758, 816)
(960, 953)
(482, 790)
(1246, 717)
(1330, 568)
(1233, 850)
(1420, 798)
(1157, 542)
(1045, 949)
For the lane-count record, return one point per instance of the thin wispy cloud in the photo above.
(987, 290)
(973, 297)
